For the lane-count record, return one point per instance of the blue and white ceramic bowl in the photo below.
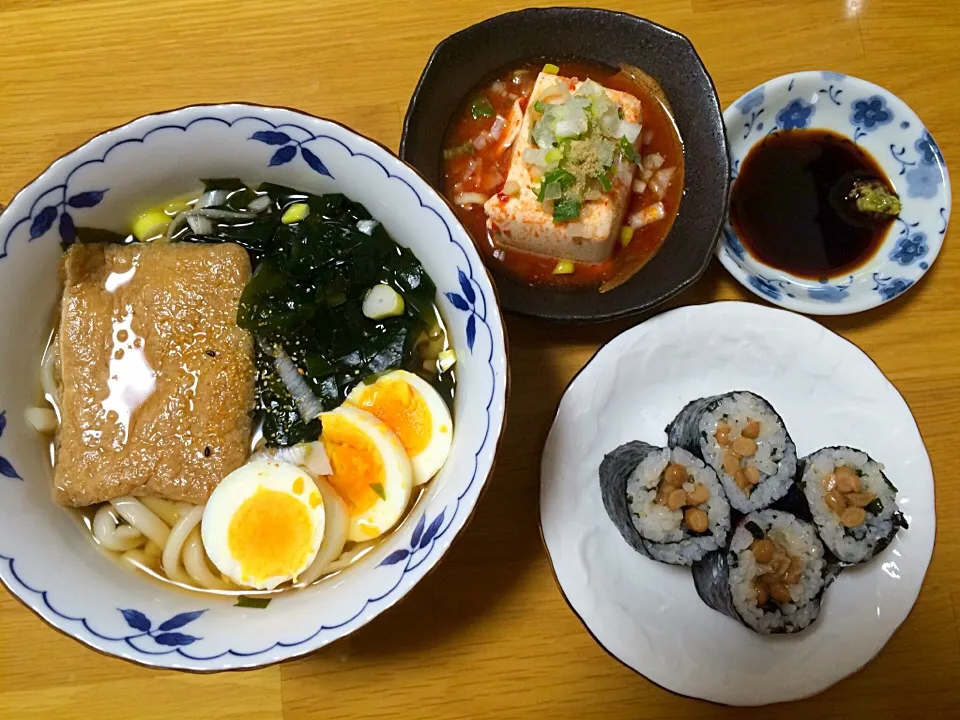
(45, 558)
(883, 125)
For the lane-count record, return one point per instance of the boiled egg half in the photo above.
(417, 415)
(263, 524)
(371, 471)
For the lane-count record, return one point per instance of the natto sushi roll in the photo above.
(745, 441)
(666, 503)
(853, 503)
(772, 577)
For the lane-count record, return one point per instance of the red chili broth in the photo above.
(535, 269)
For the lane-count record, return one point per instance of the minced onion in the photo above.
(535, 156)
(497, 128)
(649, 214)
(470, 199)
(661, 181)
(629, 130)
(480, 141)
(653, 161)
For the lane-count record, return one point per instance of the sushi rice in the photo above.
(669, 540)
(883, 520)
(775, 457)
(631, 477)
(800, 540)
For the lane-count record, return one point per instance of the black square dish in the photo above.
(462, 60)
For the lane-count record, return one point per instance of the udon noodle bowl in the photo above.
(247, 392)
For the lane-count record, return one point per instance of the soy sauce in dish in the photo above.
(812, 203)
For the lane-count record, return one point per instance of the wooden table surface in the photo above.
(487, 635)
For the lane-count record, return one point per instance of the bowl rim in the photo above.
(800, 303)
(145, 660)
(628, 308)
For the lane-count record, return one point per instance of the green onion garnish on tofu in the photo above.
(578, 144)
(565, 210)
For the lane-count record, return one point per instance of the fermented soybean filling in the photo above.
(812, 203)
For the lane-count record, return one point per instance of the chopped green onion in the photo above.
(245, 601)
(554, 155)
(447, 359)
(378, 489)
(628, 152)
(295, 213)
(626, 235)
(539, 106)
(382, 301)
(563, 267)
(605, 182)
(150, 224)
(564, 178)
(481, 108)
(466, 148)
(565, 210)
(550, 69)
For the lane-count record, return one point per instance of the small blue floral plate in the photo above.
(883, 125)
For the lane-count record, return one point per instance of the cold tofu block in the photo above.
(156, 377)
(522, 223)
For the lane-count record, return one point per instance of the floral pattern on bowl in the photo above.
(883, 125)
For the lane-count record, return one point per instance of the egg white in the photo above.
(431, 458)
(397, 481)
(232, 492)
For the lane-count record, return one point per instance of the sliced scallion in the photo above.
(481, 108)
(566, 210)
(627, 149)
(465, 148)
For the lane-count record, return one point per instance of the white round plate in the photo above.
(648, 614)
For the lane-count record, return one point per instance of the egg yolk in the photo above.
(356, 463)
(403, 410)
(270, 535)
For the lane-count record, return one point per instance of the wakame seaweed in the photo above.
(306, 295)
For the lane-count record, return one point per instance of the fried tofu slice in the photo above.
(521, 222)
(156, 378)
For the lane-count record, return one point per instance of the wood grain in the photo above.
(487, 635)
